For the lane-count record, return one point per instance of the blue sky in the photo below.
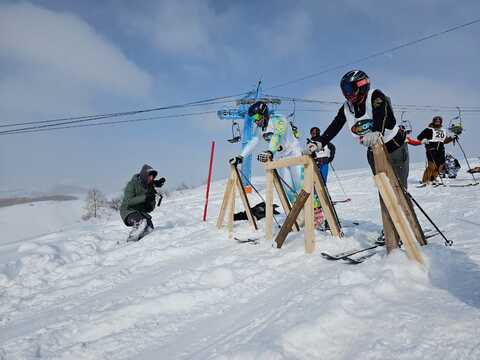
(63, 58)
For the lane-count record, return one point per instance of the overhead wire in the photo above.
(376, 54)
(111, 122)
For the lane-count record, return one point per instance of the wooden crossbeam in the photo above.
(402, 224)
(294, 161)
(291, 218)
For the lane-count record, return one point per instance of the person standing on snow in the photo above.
(139, 200)
(282, 142)
(324, 155)
(434, 137)
(371, 120)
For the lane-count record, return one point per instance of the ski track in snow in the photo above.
(186, 291)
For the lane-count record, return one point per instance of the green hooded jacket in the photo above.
(135, 194)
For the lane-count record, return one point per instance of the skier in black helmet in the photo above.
(370, 119)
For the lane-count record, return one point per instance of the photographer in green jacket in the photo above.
(139, 200)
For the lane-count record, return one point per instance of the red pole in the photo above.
(208, 181)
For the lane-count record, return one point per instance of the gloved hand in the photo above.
(425, 141)
(313, 146)
(371, 138)
(265, 156)
(159, 182)
(236, 160)
(150, 197)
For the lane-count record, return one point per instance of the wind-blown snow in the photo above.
(187, 291)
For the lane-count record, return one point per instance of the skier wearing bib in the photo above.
(434, 137)
(324, 155)
(370, 120)
(282, 139)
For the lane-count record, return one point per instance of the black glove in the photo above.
(265, 156)
(236, 160)
(159, 182)
(150, 196)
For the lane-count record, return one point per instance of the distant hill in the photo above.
(25, 200)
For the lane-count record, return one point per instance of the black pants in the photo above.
(400, 163)
(135, 217)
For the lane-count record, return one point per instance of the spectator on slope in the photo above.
(434, 137)
(282, 140)
(139, 200)
(324, 155)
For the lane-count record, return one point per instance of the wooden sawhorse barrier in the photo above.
(312, 181)
(228, 205)
(234, 183)
(398, 215)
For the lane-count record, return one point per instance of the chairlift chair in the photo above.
(236, 133)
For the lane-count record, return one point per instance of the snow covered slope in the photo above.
(188, 292)
(19, 223)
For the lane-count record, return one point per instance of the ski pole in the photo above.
(447, 242)
(339, 182)
(466, 160)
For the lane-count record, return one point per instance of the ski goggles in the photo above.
(257, 117)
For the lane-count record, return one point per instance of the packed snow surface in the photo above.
(187, 291)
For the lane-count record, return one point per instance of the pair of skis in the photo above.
(347, 255)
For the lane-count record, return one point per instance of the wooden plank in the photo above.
(392, 202)
(309, 229)
(283, 197)
(300, 160)
(291, 218)
(382, 164)
(231, 212)
(392, 239)
(326, 201)
(243, 196)
(226, 199)
(269, 206)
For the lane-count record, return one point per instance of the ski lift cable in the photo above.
(110, 123)
(377, 54)
(205, 102)
(406, 106)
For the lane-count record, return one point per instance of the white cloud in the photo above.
(288, 34)
(57, 59)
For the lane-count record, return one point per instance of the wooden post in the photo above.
(283, 197)
(309, 229)
(231, 212)
(399, 217)
(225, 202)
(269, 206)
(291, 218)
(228, 203)
(326, 201)
(382, 164)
